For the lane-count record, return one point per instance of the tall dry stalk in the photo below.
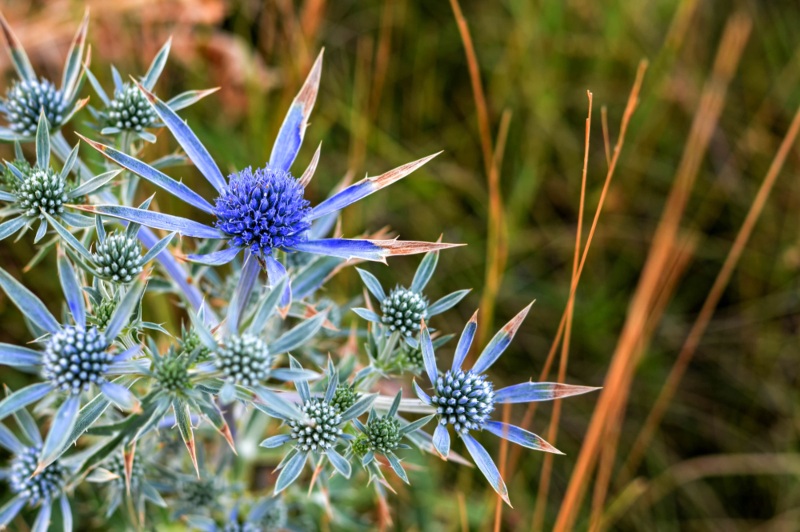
(614, 396)
(497, 237)
(712, 300)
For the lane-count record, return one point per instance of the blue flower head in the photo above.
(315, 425)
(31, 96)
(76, 356)
(43, 487)
(263, 210)
(466, 399)
(31, 481)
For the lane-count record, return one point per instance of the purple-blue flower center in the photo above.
(263, 210)
(463, 399)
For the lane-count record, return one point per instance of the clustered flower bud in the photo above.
(130, 110)
(319, 429)
(43, 190)
(190, 341)
(200, 493)
(464, 399)
(172, 374)
(244, 359)
(344, 397)
(25, 101)
(118, 258)
(101, 314)
(403, 310)
(76, 358)
(116, 465)
(45, 486)
(384, 434)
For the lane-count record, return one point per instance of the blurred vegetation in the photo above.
(396, 86)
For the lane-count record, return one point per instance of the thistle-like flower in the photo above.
(76, 356)
(29, 97)
(264, 210)
(119, 258)
(39, 193)
(383, 434)
(239, 357)
(126, 474)
(126, 109)
(243, 360)
(315, 426)
(31, 483)
(403, 309)
(466, 399)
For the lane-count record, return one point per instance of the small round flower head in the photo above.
(319, 429)
(361, 445)
(43, 487)
(344, 397)
(43, 190)
(244, 359)
(101, 314)
(116, 465)
(384, 434)
(75, 358)
(275, 517)
(200, 493)
(463, 399)
(263, 210)
(118, 258)
(25, 100)
(190, 341)
(172, 374)
(403, 310)
(129, 110)
(414, 356)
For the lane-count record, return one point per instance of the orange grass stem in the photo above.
(497, 237)
(552, 432)
(630, 107)
(712, 300)
(613, 397)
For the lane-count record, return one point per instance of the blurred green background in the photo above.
(396, 87)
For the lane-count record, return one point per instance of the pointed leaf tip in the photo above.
(512, 326)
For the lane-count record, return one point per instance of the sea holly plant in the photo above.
(260, 375)
(316, 427)
(383, 435)
(76, 357)
(30, 96)
(403, 309)
(263, 211)
(39, 193)
(466, 399)
(31, 484)
(127, 110)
